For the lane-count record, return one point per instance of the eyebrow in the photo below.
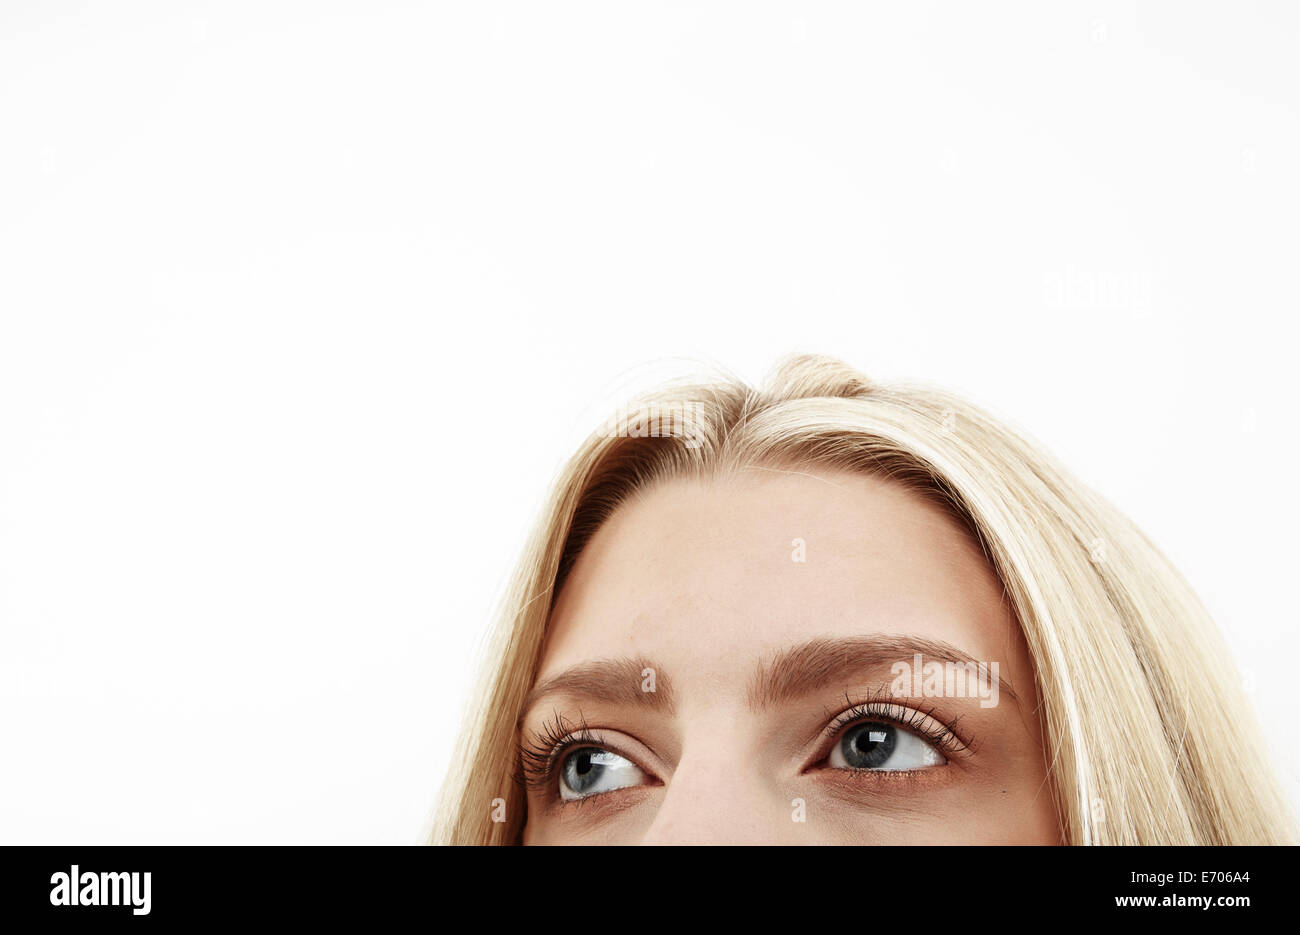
(804, 669)
(616, 681)
(792, 674)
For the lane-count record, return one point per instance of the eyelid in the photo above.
(541, 755)
(922, 722)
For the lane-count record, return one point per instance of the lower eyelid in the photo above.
(602, 804)
(956, 762)
(861, 786)
(877, 775)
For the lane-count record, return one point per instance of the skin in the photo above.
(697, 580)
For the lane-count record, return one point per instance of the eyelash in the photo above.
(540, 752)
(921, 721)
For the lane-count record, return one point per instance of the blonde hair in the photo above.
(1148, 736)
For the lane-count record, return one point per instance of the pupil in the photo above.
(583, 769)
(863, 752)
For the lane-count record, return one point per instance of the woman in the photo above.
(836, 612)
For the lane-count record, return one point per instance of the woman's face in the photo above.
(736, 661)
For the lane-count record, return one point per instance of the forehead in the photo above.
(709, 577)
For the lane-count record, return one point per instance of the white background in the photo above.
(302, 305)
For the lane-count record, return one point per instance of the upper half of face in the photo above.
(732, 660)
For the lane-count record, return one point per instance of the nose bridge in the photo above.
(721, 792)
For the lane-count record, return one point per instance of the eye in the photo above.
(590, 771)
(880, 745)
